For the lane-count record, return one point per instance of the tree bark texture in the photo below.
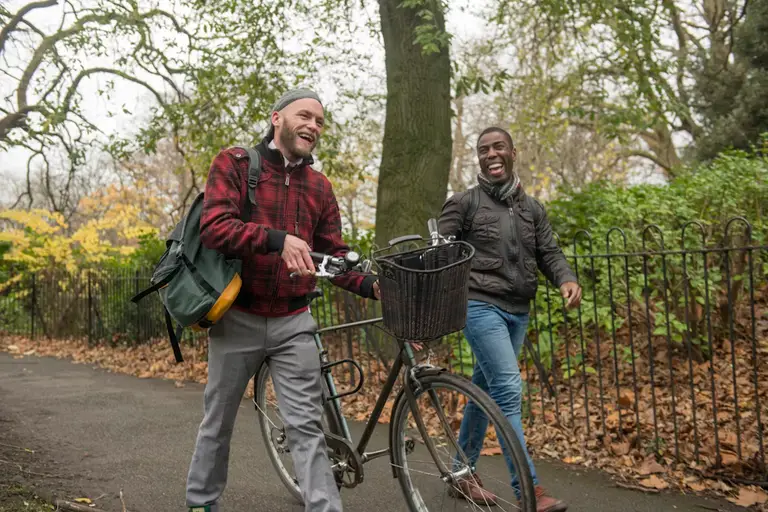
(416, 154)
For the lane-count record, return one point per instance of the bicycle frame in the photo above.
(408, 361)
(405, 358)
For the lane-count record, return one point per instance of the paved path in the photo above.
(102, 432)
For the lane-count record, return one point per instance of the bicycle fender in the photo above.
(420, 372)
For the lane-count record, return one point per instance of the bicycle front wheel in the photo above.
(449, 478)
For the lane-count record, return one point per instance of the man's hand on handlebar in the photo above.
(376, 291)
(324, 265)
(296, 256)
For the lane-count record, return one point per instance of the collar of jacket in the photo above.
(275, 157)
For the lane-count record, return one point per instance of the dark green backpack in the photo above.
(198, 285)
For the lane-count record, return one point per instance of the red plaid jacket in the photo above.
(300, 202)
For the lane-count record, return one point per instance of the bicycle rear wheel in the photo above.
(273, 430)
(453, 481)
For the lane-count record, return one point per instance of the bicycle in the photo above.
(454, 477)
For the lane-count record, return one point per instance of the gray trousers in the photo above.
(238, 345)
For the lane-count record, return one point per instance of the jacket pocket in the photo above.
(485, 264)
(527, 229)
(485, 227)
(530, 278)
(488, 277)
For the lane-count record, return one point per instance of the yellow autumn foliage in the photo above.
(108, 227)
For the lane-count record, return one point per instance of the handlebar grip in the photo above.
(317, 257)
(404, 238)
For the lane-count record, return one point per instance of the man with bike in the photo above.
(295, 212)
(512, 239)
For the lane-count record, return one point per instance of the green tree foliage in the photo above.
(734, 104)
(638, 70)
(673, 299)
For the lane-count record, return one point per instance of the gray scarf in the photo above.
(501, 192)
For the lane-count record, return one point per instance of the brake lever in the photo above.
(321, 269)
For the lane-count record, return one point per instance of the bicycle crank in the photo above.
(346, 461)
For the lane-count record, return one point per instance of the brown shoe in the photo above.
(546, 503)
(471, 489)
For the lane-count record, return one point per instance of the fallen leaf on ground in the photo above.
(719, 485)
(491, 450)
(729, 439)
(696, 486)
(650, 466)
(748, 497)
(654, 482)
(620, 448)
(729, 457)
(626, 399)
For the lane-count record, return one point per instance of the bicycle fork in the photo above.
(412, 386)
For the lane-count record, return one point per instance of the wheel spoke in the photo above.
(440, 405)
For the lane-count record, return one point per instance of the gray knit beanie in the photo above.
(288, 98)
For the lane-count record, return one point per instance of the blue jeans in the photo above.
(496, 338)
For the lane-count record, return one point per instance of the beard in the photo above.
(295, 145)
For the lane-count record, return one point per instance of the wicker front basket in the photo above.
(424, 291)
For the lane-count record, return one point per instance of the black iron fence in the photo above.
(665, 356)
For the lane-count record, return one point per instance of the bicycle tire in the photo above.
(495, 417)
(329, 420)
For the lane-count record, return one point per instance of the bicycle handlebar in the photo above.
(435, 238)
(432, 226)
(332, 266)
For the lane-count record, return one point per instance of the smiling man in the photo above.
(295, 212)
(512, 239)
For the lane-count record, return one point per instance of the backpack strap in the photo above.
(254, 171)
(155, 287)
(469, 216)
(174, 336)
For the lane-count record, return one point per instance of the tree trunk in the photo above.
(459, 153)
(416, 153)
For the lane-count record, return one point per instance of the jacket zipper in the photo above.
(280, 265)
(513, 238)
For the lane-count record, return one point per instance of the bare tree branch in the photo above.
(17, 18)
(16, 119)
(644, 154)
(122, 74)
(49, 42)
